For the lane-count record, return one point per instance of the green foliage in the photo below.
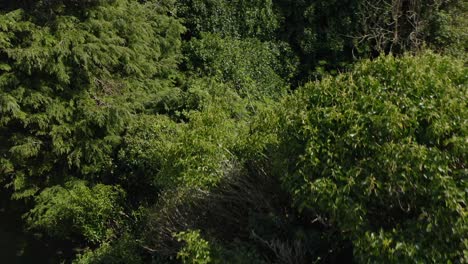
(144, 153)
(123, 251)
(161, 152)
(238, 18)
(254, 69)
(51, 6)
(70, 84)
(319, 29)
(330, 34)
(378, 154)
(259, 225)
(448, 29)
(137, 140)
(238, 253)
(76, 209)
(196, 250)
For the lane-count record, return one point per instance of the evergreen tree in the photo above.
(72, 73)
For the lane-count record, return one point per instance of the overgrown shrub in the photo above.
(76, 210)
(379, 155)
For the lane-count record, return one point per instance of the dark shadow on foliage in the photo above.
(250, 207)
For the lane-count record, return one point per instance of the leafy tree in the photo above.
(378, 156)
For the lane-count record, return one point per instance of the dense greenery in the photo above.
(378, 155)
(216, 131)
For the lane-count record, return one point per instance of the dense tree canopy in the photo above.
(215, 131)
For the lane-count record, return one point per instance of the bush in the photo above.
(378, 155)
(77, 210)
(196, 250)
